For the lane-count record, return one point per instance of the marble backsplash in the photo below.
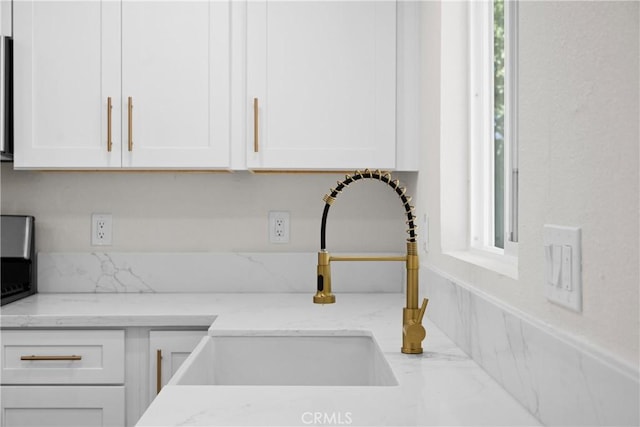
(208, 272)
(558, 379)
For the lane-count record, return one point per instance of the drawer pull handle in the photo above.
(36, 358)
(109, 108)
(158, 371)
(130, 110)
(256, 133)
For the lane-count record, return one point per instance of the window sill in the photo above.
(500, 264)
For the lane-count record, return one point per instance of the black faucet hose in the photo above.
(367, 174)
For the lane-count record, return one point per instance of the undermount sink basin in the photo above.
(291, 358)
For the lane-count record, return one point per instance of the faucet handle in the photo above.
(324, 295)
(423, 308)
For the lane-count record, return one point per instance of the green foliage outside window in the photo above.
(498, 114)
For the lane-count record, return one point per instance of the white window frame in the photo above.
(481, 129)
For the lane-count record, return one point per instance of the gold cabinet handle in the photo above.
(130, 110)
(40, 358)
(158, 371)
(109, 107)
(256, 143)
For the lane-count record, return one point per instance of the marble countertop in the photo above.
(112, 310)
(442, 386)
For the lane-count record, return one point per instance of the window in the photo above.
(494, 161)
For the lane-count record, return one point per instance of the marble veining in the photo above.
(114, 278)
(122, 272)
(560, 381)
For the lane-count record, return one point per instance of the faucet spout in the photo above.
(413, 333)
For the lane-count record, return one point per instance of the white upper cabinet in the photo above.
(321, 84)
(281, 85)
(175, 68)
(66, 65)
(74, 58)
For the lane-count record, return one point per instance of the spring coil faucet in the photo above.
(412, 330)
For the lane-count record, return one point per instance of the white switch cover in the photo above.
(563, 266)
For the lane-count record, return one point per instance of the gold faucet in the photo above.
(412, 330)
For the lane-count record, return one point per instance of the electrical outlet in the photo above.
(278, 227)
(101, 229)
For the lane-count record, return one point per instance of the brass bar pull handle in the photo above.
(109, 107)
(158, 371)
(130, 110)
(256, 142)
(40, 358)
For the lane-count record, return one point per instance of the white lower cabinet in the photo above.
(168, 350)
(68, 406)
(87, 377)
(144, 346)
(62, 357)
(62, 378)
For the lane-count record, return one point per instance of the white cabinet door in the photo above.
(5, 17)
(324, 76)
(170, 58)
(167, 351)
(69, 406)
(175, 69)
(66, 66)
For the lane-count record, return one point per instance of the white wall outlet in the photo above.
(563, 266)
(279, 227)
(101, 229)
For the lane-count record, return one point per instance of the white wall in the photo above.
(218, 212)
(579, 159)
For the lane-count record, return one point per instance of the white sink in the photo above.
(289, 358)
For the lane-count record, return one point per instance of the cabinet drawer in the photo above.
(62, 357)
(69, 406)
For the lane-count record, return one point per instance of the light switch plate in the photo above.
(563, 266)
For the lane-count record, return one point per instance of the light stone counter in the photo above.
(111, 310)
(440, 387)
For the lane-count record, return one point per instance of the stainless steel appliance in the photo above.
(6, 98)
(17, 257)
